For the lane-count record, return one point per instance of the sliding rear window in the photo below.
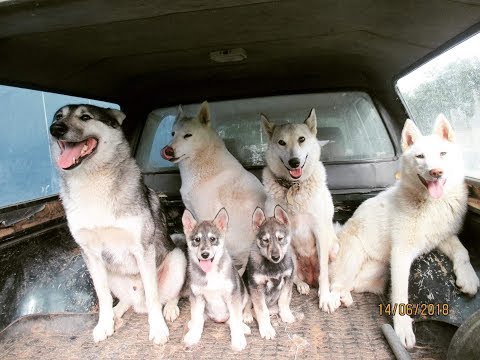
(348, 120)
(27, 171)
(449, 84)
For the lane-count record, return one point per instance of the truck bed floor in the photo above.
(352, 333)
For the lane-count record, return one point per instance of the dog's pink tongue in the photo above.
(296, 173)
(206, 265)
(72, 150)
(435, 188)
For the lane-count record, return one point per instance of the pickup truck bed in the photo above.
(352, 333)
(48, 311)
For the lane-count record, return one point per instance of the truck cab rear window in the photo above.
(348, 120)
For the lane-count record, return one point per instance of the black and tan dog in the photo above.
(270, 268)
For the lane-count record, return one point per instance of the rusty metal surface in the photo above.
(433, 292)
(352, 333)
(44, 274)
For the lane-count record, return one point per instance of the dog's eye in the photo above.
(282, 143)
(265, 240)
(301, 139)
(85, 117)
(280, 238)
(187, 136)
(443, 153)
(196, 240)
(212, 239)
(420, 156)
(58, 116)
(173, 133)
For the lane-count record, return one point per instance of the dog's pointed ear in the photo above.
(410, 134)
(311, 122)
(180, 113)
(258, 218)
(188, 222)
(204, 114)
(221, 220)
(118, 115)
(281, 215)
(443, 128)
(268, 127)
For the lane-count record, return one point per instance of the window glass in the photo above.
(26, 168)
(349, 120)
(449, 84)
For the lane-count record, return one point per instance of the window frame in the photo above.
(450, 44)
(384, 116)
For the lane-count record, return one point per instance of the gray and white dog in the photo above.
(270, 269)
(215, 284)
(296, 179)
(117, 221)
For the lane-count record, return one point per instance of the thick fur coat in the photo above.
(117, 221)
(422, 211)
(295, 179)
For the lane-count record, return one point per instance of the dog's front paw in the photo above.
(302, 287)
(159, 332)
(267, 331)
(326, 302)
(334, 301)
(467, 279)
(239, 342)
(287, 316)
(171, 310)
(404, 330)
(103, 330)
(192, 337)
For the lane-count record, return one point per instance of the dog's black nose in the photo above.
(205, 255)
(436, 173)
(58, 129)
(275, 257)
(294, 162)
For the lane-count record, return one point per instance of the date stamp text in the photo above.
(413, 309)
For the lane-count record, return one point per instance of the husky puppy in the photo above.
(212, 178)
(422, 211)
(295, 178)
(117, 221)
(216, 286)
(269, 273)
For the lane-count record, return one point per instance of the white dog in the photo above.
(212, 178)
(422, 211)
(295, 179)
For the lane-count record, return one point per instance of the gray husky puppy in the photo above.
(270, 269)
(215, 284)
(117, 221)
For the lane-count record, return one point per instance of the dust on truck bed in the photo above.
(349, 333)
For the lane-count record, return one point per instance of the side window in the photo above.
(449, 84)
(26, 168)
(348, 120)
